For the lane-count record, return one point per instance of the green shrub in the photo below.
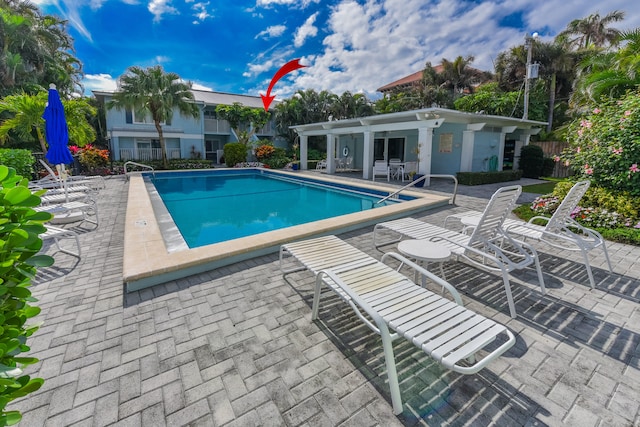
(234, 153)
(621, 202)
(20, 226)
(20, 160)
(478, 178)
(531, 161)
(316, 154)
(604, 144)
(548, 166)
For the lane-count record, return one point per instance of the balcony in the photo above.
(216, 126)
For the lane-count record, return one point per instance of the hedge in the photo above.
(479, 178)
(19, 159)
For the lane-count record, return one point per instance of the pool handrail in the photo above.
(422, 178)
(126, 173)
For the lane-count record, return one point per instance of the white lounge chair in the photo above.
(563, 232)
(64, 213)
(398, 308)
(484, 248)
(380, 168)
(56, 234)
(96, 182)
(321, 165)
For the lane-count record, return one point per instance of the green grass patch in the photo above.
(542, 188)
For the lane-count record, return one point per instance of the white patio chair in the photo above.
(321, 165)
(398, 308)
(484, 248)
(396, 169)
(56, 234)
(563, 232)
(380, 168)
(95, 182)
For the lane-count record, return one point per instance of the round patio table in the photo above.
(424, 250)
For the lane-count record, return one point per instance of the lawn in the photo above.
(542, 188)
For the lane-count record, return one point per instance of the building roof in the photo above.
(413, 119)
(407, 81)
(208, 97)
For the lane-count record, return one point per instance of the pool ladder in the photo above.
(140, 165)
(394, 195)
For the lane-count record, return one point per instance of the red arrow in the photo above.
(285, 69)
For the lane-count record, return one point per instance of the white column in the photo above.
(331, 149)
(367, 155)
(466, 157)
(425, 147)
(304, 143)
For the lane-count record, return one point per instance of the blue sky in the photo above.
(237, 46)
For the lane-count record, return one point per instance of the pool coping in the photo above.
(147, 262)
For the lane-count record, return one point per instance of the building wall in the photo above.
(443, 162)
(486, 145)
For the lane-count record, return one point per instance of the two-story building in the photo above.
(136, 138)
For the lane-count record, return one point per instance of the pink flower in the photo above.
(627, 113)
(579, 132)
(578, 149)
(596, 110)
(556, 158)
(567, 163)
(634, 168)
(585, 124)
(617, 150)
(589, 171)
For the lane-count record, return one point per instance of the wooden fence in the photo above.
(551, 149)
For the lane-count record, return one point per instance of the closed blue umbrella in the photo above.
(57, 133)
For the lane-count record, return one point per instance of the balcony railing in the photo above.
(216, 126)
(147, 154)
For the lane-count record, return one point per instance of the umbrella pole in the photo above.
(62, 173)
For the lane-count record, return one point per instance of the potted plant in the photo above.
(295, 164)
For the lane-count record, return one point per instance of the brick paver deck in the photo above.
(236, 346)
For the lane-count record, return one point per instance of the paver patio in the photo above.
(236, 346)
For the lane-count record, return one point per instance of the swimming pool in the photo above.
(155, 251)
(216, 206)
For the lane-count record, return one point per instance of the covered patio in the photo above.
(442, 141)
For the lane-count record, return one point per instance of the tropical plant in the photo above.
(609, 74)
(35, 50)
(531, 161)
(19, 159)
(244, 121)
(605, 144)
(24, 122)
(592, 31)
(19, 231)
(92, 157)
(152, 92)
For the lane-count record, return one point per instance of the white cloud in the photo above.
(198, 86)
(306, 30)
(201, 12)
(100, 82)
(272, 31)
(161, 7)
(294, 4)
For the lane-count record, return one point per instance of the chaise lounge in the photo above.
(393, 306)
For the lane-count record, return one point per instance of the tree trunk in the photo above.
(552, 101)
(43, 143)
(163, 146)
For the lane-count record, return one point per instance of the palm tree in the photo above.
(592, 31)
(152, 92)
(35, 50)
(25, 122)
(609, 74)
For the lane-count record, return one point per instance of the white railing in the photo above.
(216, 126)
(146, 154)
(266, 130)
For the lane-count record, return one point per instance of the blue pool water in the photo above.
(214, 207)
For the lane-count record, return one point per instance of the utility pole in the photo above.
(532, 72)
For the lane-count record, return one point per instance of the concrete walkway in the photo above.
(236, 346)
